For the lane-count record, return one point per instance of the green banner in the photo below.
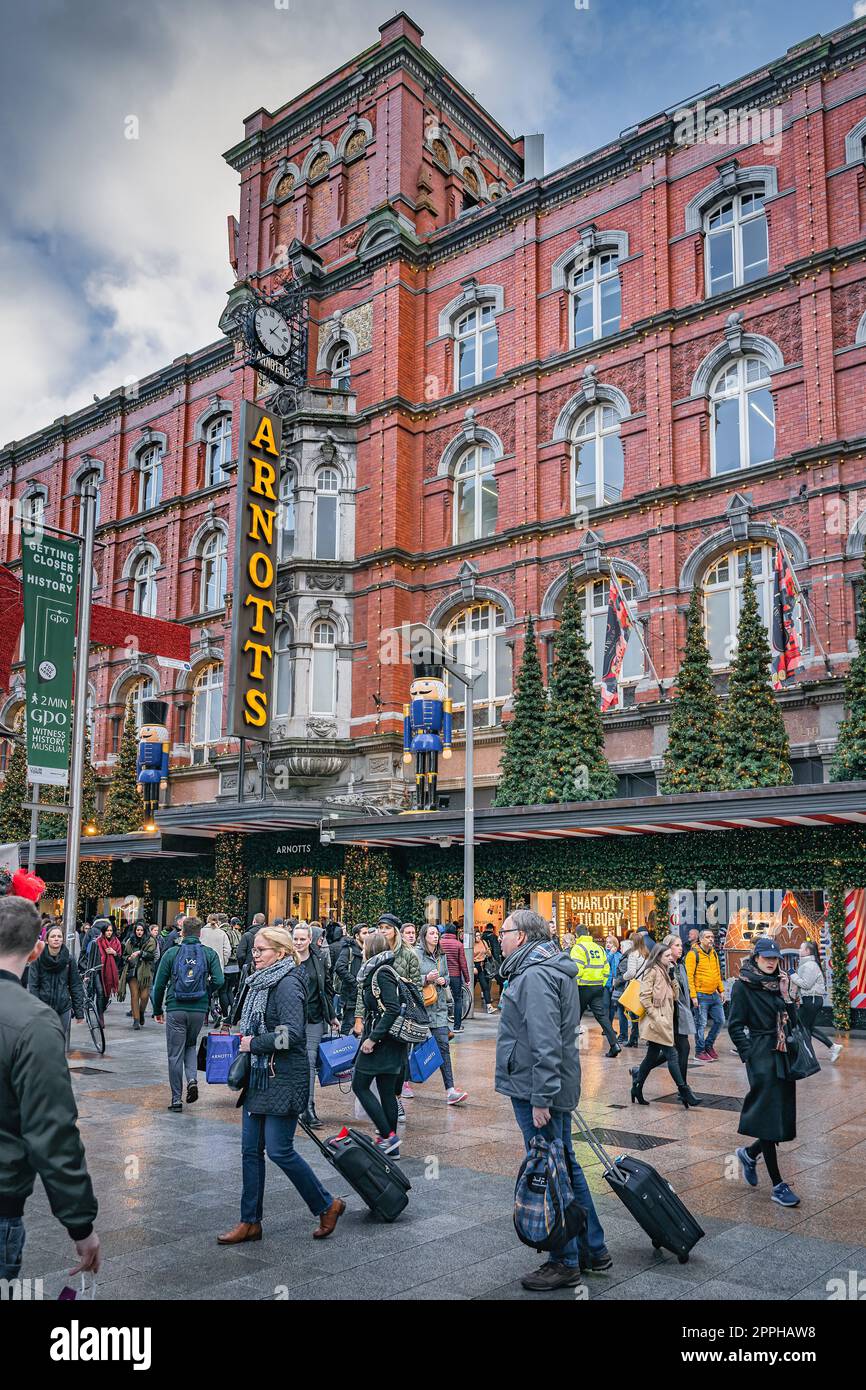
(50, 597)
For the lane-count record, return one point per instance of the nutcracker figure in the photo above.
(152, 763)
(427, 731)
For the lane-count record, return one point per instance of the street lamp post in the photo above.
(79, 711)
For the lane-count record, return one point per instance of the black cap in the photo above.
(388, 919)
(432, 669)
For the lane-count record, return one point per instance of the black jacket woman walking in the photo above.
(139, 961)
(274, 1033)
(759, 1023)
(54, 979)
(382, 1057)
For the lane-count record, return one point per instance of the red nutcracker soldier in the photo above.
(427, 730)
(152, 763)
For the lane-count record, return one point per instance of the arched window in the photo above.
(14, 720)
(736, 242)
(286, 516)
(284, 667)
(144, 587)
(476, 638)
(598, 466)
(477, 341)
(214, 572)
(723, 596)
(33, 510)
(324, 682)
(207, 709)
(595, 298)
(218, 450)
(327, 496)
(92, 479)
(476, 495)
(150, 478)
(340, 367)
(593, 600)
(744, 418)
(143, 689)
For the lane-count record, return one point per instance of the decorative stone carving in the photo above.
(312, 767)
(734, 332)
(360, 321)
(440, 153)
(284, 187)
(355, 143)
(319, 166)
(470, 178)
(326, 581)
(322, 726)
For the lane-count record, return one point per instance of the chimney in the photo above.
(401, 26)
(533, 157)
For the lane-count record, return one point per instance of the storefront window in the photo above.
(305, 897)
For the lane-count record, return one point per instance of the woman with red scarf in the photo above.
(104, 953)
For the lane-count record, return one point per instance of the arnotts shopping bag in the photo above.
(424, 1059)
(222, 1049)
(336, 1058)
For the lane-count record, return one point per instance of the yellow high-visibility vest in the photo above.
(592, 963)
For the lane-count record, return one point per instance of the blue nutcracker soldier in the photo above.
(427, 730)
(151, 766)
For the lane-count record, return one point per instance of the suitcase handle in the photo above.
(601, 1153)
(311, 1134)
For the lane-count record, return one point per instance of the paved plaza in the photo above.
(168, 1184)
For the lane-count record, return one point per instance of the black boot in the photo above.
(637, 1087)
(688, 1097)
(312, 1118)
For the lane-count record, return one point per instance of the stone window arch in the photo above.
(283, 182)
(441, 146)
(90, 471)
(33, 505)
(736, 343)
(354, 139)
(855, 143)
(476, 636)
(327, 535)
(213, 429)
(589, 273)
(319, 159)
(146, 458)
(207, 700)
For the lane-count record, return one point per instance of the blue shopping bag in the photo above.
(222, 1049)
(336, 1058)
(424, 1059)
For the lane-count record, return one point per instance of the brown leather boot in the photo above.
(329, 1219)
(244, 1230)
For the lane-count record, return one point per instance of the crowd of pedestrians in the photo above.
(289, 986)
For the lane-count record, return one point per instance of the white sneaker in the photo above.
(491, 1008)
(454, 1096)
(401, 1113)
(407, 1091)
(835, 1051)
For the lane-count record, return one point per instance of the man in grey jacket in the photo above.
(38, 1119)
(538, 1068)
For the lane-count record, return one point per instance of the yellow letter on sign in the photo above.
(265, 432)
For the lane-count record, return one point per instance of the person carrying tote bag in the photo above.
(274, 1040)
(382, 1057)
(434, 975)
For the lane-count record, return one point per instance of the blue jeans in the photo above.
(275, 1134)
(709, 1006)
(560, 1128)
(11, 1246)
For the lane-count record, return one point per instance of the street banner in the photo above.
(255, 573)
(50, 581)
(615, 642)
(783, 629)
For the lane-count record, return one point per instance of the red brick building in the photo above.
(647, 357)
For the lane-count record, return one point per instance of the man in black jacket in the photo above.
(38, 1117)
(349, 960)
(245, 945)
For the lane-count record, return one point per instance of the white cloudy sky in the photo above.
(113, 254)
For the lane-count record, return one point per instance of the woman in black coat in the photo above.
(54, 979)
(273, 1023)
(761, 1017)
(382, 1057)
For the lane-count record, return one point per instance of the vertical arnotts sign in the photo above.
(255, 575)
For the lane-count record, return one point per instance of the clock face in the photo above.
(272, 331)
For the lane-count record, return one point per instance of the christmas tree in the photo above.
(849, 760)
(693, 757)
(524, 736)
(52, 827)
(573, 765)
(14, 820)
(754, 738)
(124, 811)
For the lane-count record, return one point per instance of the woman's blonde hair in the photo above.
(281, 941)
(375, 943)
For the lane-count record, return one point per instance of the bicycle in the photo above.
(91, 1009)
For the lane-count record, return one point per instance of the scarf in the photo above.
(383, 958)
(259, 985)
(109, 950)
(528, 954)
(779, 984)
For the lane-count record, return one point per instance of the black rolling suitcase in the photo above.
(647, 1196)
(376, 1179)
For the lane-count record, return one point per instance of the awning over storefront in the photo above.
(816, 806)
(248, 817)
(115, 847)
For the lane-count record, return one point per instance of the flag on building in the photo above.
(615, 643)
(855, 945)
(783, 630)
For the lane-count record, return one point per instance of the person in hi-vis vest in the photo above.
(592, 972)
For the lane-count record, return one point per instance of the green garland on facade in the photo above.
(839, 954)
(368, 885)
(231, 878)
(849, 760)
